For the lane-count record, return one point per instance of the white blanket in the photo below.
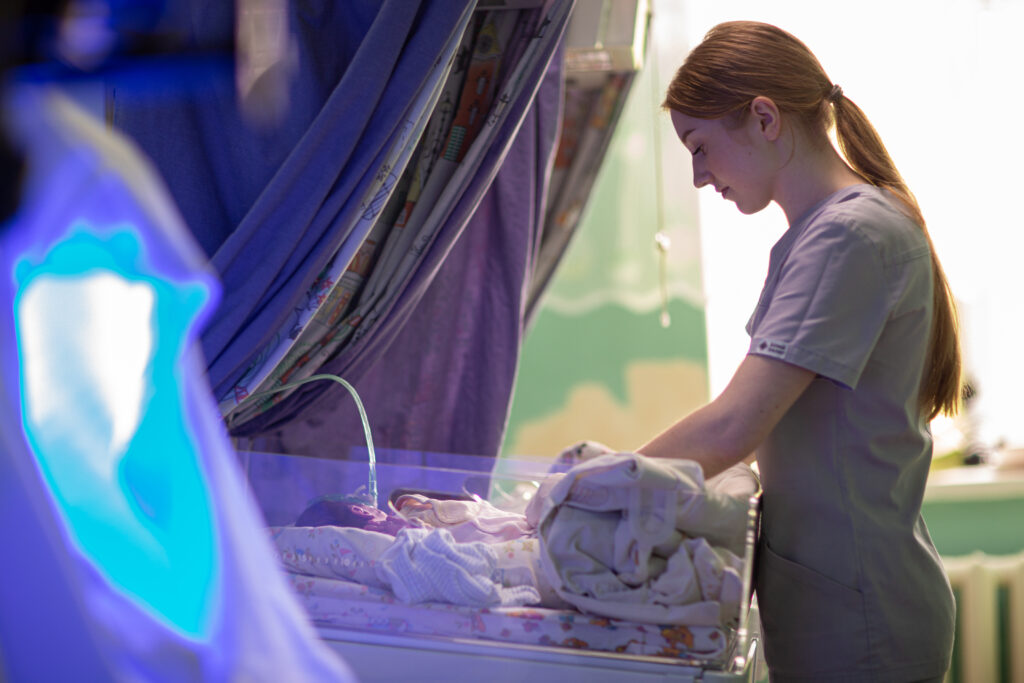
(635, 538)
(418, 565)
(619, 535)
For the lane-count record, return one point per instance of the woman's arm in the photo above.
(731, 427)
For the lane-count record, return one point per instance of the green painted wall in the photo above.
(990, 525)
(597, 363)
(564, 351)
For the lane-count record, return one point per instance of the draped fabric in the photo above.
(271, 207)
(314, 202)
(350, 298)
(29, 525)
(438, 375)
(588, 123)
(128, 507)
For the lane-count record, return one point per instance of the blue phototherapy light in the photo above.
(102, 333)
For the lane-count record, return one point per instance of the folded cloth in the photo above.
(332, 552)
(579, 452)
(418, 565)
(466, 520)
(429, 565)
(660, 495)
(739, 481)
(536, 506)
(631, 537)
(706, 573)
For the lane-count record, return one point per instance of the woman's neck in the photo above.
(812, 173)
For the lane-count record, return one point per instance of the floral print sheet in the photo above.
(349, 605)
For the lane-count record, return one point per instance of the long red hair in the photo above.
(740, 60)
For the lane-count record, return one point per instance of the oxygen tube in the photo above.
(372, 483)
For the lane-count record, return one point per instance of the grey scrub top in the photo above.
(849, 584)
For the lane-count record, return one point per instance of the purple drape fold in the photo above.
(271, 207)
(437, 374)
(435, 357)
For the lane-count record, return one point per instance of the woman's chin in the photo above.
(748, 208)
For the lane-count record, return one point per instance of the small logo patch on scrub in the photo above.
(776, 349)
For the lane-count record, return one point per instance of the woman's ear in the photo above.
(765, 114)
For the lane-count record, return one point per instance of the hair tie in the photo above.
(836, 94)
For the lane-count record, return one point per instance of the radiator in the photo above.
(990, 618)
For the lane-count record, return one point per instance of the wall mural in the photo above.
(598, 363)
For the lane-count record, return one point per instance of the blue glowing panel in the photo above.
(101, 336)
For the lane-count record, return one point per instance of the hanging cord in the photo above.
(362, 416)
(661, 239)
(663, 243)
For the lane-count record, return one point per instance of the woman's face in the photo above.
(729, 158)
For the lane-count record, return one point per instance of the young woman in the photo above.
(853, 350)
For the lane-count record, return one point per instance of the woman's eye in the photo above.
(699, 149)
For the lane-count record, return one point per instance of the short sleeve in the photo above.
(827, 306)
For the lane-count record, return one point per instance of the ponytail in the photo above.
(868, 157)
(723, 74)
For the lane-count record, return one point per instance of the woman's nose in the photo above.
(700, 175)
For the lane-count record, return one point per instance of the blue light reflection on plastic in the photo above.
(101, 338)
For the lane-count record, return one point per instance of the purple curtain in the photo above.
(436, 362)
(439, 372)
(271, 207)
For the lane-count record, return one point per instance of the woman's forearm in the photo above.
(727, 430)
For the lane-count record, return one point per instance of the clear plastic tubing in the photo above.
(362, 416)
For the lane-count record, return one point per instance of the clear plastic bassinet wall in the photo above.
(596, 564)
